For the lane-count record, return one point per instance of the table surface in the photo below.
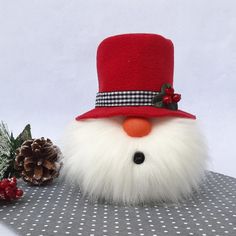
(59, 209)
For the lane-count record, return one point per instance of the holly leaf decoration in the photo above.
(172, 106)
(164, 87)
(166, 99)
(157, 98)
(158, 104)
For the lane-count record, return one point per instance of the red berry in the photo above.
(2, 194)
(4, 183)
(7, 198)
(13, 179)
(167, 99)
(8, 189)
(9, 192)
(176, 97)
(169, 91)
(12, 184)
(19, 192)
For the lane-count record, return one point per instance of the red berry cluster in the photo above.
(171, 96)
(9, 190)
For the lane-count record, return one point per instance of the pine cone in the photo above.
(38, 161)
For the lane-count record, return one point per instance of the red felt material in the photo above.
(134, 62)
(142, 111)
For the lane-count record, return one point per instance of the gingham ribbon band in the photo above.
(125, 98)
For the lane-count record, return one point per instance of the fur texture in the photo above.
(98, 156)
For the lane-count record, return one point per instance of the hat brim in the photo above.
(142, 111)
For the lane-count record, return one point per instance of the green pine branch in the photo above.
(8, 146)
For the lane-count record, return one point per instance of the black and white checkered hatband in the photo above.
(125, 98)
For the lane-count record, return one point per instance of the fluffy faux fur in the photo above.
(98, 156)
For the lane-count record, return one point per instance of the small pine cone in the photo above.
(38, 161)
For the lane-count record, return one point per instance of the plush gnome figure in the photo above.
(135, 146)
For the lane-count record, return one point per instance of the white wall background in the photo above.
(47, 61)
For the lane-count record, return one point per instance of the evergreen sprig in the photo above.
(8, 146)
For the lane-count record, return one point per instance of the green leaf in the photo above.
(158, 104)
(164, 87)
(172, 106)
(157, 98)
(23, 136)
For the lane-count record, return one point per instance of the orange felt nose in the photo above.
(137, 126)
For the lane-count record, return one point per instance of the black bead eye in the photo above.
(138, 158)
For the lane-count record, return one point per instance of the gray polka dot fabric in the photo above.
(59, 209)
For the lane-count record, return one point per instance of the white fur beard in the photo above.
(98, 156)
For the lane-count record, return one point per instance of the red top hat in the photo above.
(135, 74)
